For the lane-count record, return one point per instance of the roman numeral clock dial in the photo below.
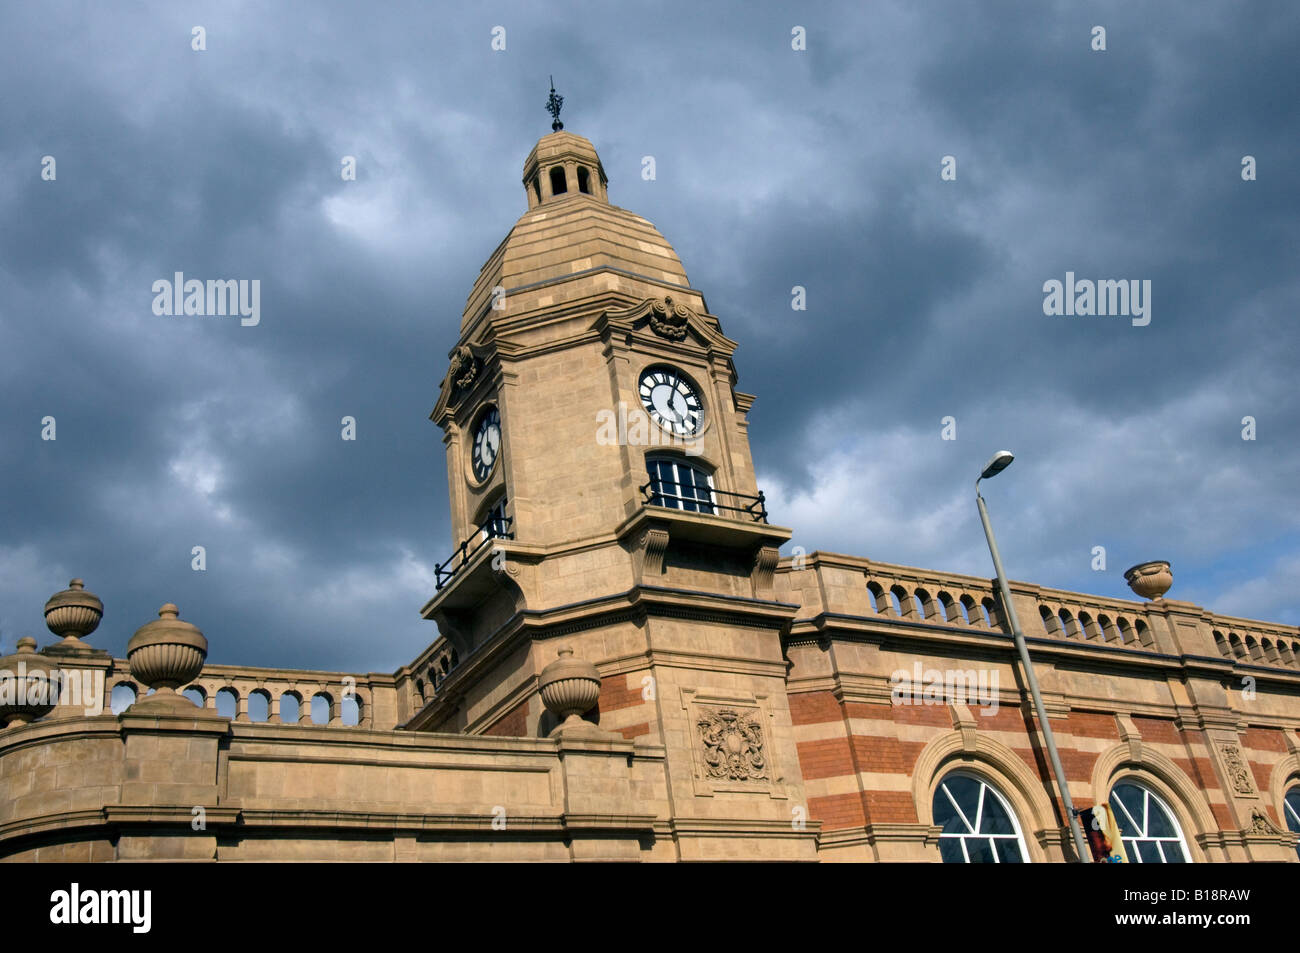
(671, 400)
(487, 443)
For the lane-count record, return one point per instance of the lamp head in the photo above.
(997, 463)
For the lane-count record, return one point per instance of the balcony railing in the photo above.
(703, 499)
(494, 527)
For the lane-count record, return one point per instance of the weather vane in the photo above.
(553, 104)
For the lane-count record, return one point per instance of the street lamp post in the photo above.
(999, 462)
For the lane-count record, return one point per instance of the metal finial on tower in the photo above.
(553, 104)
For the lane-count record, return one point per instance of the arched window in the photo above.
(350, 710)
(1147, 827)
(679, 485)
(227, 703)
(322, 709)
(495, 523)
(558, 187)
(978, 824)
(259, 705)
(123, 697)
(1291, 812)
(583, 180)
(948, 609)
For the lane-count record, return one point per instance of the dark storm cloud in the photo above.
(775, 169)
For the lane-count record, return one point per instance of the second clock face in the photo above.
(487, 443)
(671, 400)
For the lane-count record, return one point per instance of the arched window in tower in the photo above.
(679, 485)
(978, 824)
(583, 180)
(537, 187)
(496, 524)
(558, 185)
(1147, 827)
(1291, 812)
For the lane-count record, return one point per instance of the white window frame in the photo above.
(1291, 812)
(1130, 843)
(985, 788)
(495, 512)
(674, 502)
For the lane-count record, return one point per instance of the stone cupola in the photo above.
(561, 166)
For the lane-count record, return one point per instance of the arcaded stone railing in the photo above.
(263, 694)
(420, 681)
(915, 596)
(866, 589)
(1256, 643)
(850, 585)
(1079, 617)
(964, 601)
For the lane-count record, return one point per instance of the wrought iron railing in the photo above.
(494, 527)
(703, 499)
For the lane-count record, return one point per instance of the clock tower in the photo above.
(603, 500)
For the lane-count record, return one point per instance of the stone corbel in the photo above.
(653, 546)
(964, 722)
(765, 560)
(1129, 734)
(451, 627)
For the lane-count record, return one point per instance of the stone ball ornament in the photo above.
(73, 613)
(26, 689)
(569, 687)
(1150, 580)
(164, 655)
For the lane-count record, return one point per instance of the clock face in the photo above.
(671, 400)
(487, 443)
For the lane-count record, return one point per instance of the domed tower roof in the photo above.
(572, 232)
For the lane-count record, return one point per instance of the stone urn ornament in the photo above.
(30, 692)
(164, 655)
(570, 687)
(1150, 580)
(73, 613)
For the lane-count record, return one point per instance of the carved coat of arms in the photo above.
(733, 745)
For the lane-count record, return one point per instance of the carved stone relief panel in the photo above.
(731, 743)
(1234, 763)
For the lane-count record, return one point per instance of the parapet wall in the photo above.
(200, 787)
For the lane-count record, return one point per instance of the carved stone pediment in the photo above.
(665, 316)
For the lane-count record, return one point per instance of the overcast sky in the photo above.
(775, 168)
